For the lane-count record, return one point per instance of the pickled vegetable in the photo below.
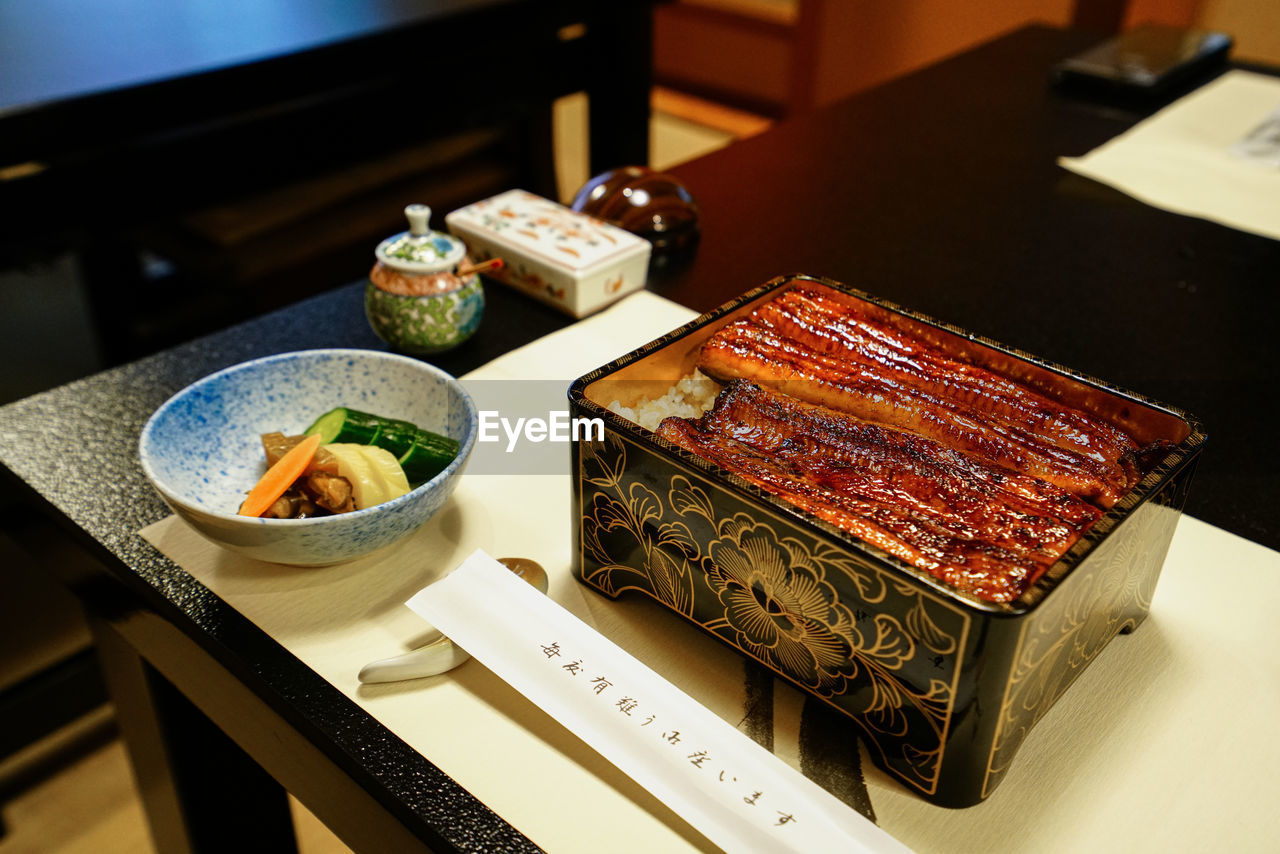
(374, 474)
(421, 453)
(279, 478)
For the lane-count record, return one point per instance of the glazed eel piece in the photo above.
(972, 525)
(821, 347)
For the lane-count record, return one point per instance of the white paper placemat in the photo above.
(1163, 744)
(1211, 154)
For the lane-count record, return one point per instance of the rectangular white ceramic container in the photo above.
(574, 262)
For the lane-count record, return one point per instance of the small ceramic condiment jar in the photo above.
(414, 299)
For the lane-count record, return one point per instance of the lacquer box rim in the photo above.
(1160, 473)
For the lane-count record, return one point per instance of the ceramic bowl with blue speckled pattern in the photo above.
(202, 448)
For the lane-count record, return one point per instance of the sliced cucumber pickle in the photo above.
(431, 454)
(349, 426)
(397, 437)
(422, 454)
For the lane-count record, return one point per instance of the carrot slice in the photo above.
(280, 477)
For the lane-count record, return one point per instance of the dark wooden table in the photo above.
(941, 191)
(938, 191)
(113, 111)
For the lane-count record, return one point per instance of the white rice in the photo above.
(688, 398)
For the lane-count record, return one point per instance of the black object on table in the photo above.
(939, 191)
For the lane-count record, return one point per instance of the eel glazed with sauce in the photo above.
(953, 468)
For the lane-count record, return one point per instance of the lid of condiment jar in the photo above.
(421, 250)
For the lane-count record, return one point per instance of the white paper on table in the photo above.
(736, 793)
(1198, 156)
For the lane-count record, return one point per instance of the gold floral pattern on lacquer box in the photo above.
(882, 651)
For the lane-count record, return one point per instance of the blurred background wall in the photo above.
(780, 57)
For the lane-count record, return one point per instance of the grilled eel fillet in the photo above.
(971, 524)
(821, 347)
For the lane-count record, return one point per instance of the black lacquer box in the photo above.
(943, 686)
